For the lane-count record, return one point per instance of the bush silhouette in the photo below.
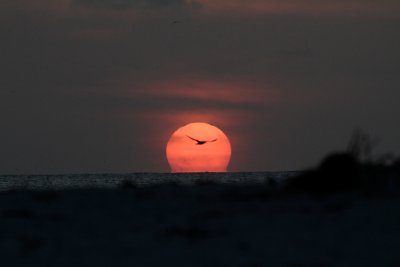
(338, 172)
(395, 168)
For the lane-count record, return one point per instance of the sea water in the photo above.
(76, 181)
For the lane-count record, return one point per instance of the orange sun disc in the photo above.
(198, 147)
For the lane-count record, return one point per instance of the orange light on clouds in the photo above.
(210, 153)
(197, 89)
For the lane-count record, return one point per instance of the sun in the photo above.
(198, 147)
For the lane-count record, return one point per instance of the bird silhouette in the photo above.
(200, 142)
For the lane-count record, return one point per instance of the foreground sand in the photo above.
(202, 225)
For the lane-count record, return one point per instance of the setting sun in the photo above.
(198, 147)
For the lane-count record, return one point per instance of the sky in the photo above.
(94, 86)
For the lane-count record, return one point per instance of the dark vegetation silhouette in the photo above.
(338, 172)
(354, 169)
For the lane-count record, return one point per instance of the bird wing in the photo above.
(193, 138)
(212, 140)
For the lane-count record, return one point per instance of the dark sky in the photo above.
(100, 85)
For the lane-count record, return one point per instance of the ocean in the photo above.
(108, 181)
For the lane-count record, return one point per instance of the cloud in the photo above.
(139, 4)
(337, 7)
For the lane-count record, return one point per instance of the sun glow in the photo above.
(198, 147)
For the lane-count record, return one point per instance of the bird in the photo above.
(175, 22)
(200, 142)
